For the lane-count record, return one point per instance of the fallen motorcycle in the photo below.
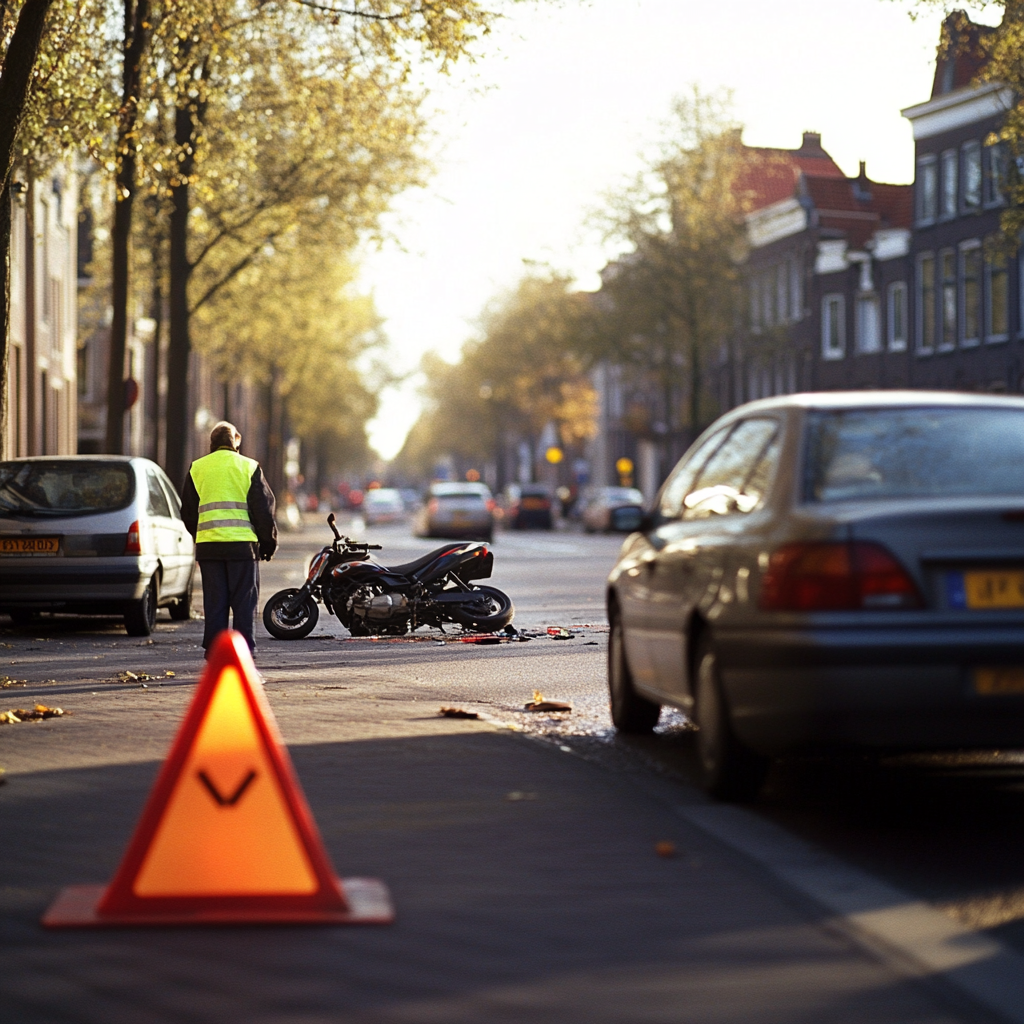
(372, 599)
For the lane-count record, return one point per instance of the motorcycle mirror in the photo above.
(330, 523)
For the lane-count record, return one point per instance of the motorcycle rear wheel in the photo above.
(499, 611)
(285, 624)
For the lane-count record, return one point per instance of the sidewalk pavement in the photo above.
(526, 881)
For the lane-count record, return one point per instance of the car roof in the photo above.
(77, 458)
(880, 400)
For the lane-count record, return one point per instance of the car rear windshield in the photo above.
(64, 487)
(858, 454)
(479, 491)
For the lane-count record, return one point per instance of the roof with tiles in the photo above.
(771, 175)
(857, 207)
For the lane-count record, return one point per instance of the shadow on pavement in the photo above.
(554, 909)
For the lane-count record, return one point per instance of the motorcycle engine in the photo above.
(380, 608)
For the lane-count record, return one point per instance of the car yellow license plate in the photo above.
(991, 682)
(1002, 588)
(29, 545)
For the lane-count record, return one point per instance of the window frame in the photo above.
(947, 288)
(924, 347)
(827, 351)
(949, 160)
(863, 300)
(927, 167)
(897, 344)
(971, 247)
(968, 150)
(988, 266)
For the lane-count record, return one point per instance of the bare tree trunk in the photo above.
(136, 35)
(6, 438)
(19, 63)
(157, 315)
(179, 341)
(273, 469)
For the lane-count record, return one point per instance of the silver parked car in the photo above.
(830, 570)
(457, 510)
(97, 534)
(611, 508)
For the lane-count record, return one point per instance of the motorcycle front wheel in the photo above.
(289, 618)
(492, 610)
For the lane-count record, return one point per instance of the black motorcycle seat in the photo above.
(410, 568)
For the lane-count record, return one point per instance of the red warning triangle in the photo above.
(226, 834)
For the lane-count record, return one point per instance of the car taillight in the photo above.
(836, 577)
(491, 504)
(131, 543)
(433, 505)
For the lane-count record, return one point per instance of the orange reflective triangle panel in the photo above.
(226, 824)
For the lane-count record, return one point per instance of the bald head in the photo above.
(224, 435)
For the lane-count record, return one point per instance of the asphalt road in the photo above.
(947, 830)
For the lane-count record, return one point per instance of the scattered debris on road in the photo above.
(540, 704)
(518, 794)
(140, 677)
(666, 848)
(37, 714)
(457, 713)
(560, 633)
(6, 682)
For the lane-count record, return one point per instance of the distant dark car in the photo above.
(529, 507)
(96, 534)
(612, 508)
(830, 570)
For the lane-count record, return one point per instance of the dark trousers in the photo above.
(230, 585)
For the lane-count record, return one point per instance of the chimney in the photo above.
(811, 143)
(863, 173)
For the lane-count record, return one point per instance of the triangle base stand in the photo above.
(369, 902)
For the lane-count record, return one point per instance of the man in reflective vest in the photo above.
(228, 508)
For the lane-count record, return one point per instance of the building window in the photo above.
(768, 299)
(995, 173)
(898, 317)
(869, 335)
(755, 304)
(796, 291)
(833, 327)
(926, 189)
(926, 303)
(782, 292)
(972, 294)
(998, 293)
(971, 164)
(947, 265)
(950, 178)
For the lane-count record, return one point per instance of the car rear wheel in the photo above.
(140, 616)
(181, 610)
(631, 713)
(728, 769)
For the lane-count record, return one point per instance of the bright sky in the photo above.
(564, 98)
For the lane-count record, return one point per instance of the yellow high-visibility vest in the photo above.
(222, 479)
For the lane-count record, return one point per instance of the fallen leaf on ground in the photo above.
(666, 848)
(457, 713)
(133, 677)
(7, 681)
(168, 674)
(37, 714)
(540, 704)
(518, 794)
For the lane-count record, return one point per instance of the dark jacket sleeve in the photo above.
(261, 513)
(190, 505)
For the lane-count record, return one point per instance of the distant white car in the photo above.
(604, 507)
(383, 505)
(93, 535)
(458, 510)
